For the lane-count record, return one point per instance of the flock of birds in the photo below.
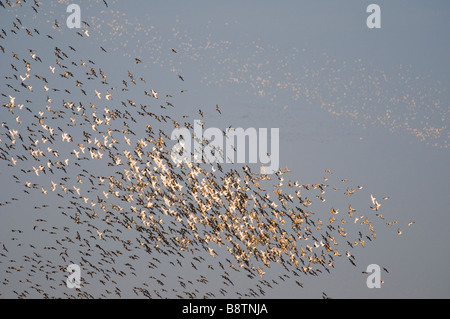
(93, 153)
(355, 91)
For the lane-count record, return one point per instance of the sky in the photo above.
(371, 105)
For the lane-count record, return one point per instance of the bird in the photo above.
(373, 199)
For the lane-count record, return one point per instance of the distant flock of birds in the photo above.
(357, 92)
(99, 157)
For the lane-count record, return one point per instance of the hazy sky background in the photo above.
(275, 64)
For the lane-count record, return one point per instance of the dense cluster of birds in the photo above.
(92, 150)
